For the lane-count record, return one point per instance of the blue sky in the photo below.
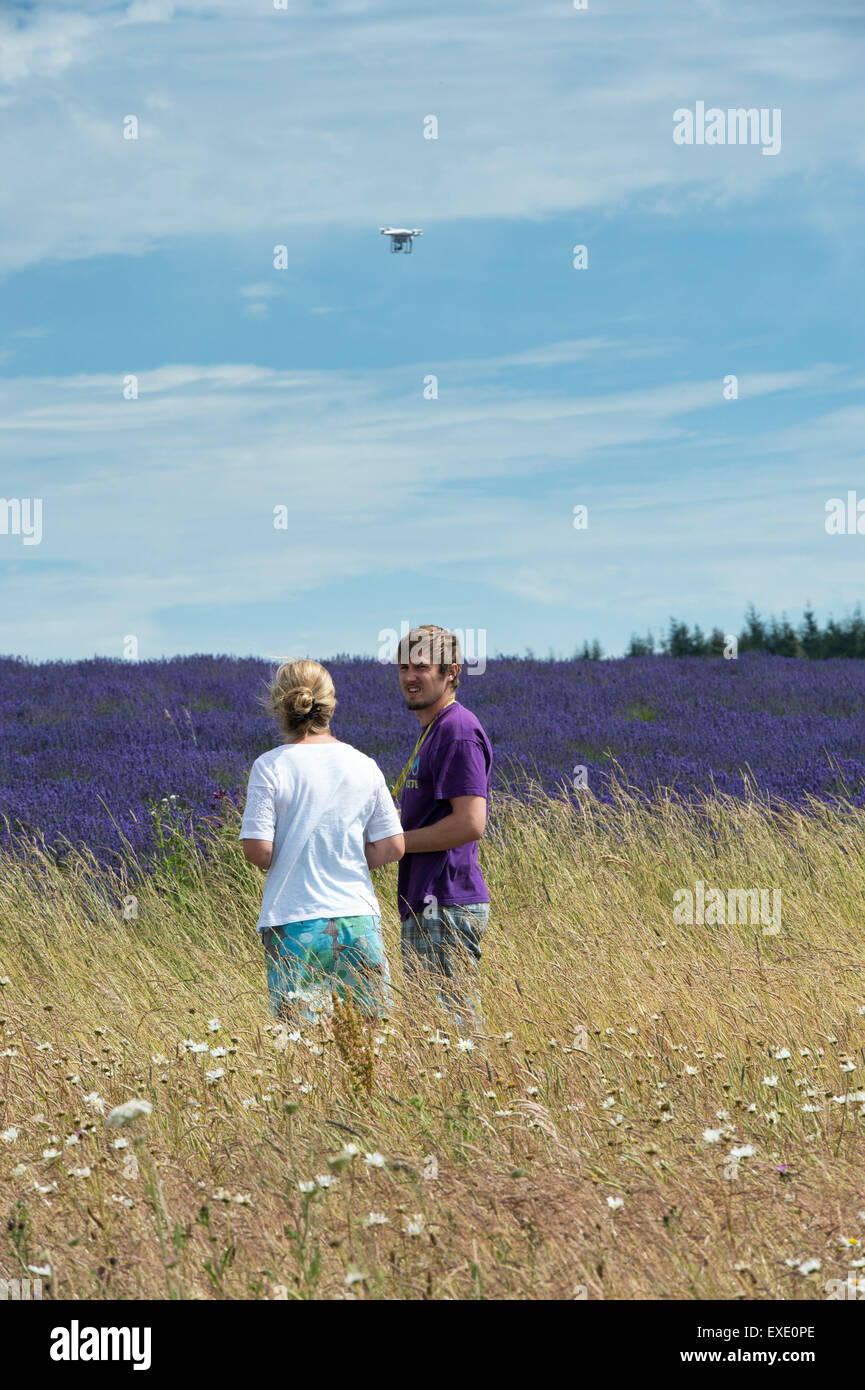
(303, 387)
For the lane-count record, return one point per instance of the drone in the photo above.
(401, 237)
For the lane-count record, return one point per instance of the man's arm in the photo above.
(466, 822)
(258, 852)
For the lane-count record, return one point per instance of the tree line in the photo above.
(775, 635)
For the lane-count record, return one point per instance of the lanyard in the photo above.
(398, 785)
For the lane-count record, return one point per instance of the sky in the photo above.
(231, 455)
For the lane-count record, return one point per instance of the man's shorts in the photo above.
(447, 945)
(447, 932)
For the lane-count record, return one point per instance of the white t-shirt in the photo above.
(318, 803)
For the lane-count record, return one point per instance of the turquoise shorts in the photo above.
(309, 962)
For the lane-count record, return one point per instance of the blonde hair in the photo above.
(301, 696)
(434, 644)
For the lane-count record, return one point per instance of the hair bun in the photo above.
(302, 697)
(300, 700)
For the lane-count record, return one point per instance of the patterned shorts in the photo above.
(308, 962)
(445, 944)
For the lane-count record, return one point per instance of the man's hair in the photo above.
(435, 645)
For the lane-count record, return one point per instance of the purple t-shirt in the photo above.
(456, 760)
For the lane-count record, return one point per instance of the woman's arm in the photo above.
(258, 852)
(380, 852)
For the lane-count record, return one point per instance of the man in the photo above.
(442, 897)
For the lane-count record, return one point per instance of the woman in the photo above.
(318, 817)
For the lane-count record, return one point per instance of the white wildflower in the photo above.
(127, 1112)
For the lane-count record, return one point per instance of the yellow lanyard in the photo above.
(398, 785)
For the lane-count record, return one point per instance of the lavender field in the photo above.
(92, 752)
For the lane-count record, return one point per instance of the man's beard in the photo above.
(421, 701)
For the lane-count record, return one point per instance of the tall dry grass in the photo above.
(566, 1155)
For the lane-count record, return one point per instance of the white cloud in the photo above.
(149, 12)
(257, 297)
(44, 47)
(262, 289)
(169, 499)
(541, 111)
